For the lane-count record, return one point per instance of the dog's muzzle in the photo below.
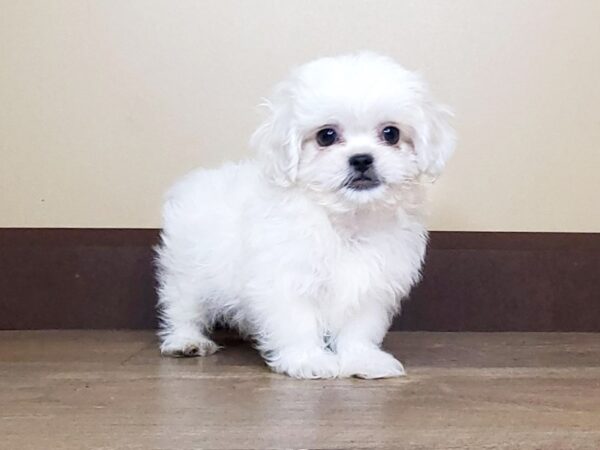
(363, 174)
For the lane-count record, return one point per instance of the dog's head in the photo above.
(358, 126)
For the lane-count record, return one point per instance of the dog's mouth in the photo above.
(362, 182)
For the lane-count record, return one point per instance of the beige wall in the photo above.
(104, 103)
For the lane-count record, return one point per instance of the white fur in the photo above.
(278, 248)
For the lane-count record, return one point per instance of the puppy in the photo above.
(309, 248)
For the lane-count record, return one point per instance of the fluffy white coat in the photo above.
(288, 248)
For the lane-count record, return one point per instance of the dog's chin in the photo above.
(363, 190)
(362, 183)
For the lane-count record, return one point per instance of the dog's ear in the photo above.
(277, 141)
(435, 139)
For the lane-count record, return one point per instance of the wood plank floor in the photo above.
(111, 390)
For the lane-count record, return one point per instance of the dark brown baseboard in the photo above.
(103, 278)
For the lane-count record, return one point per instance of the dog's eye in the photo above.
(391, 135)
(327, 137)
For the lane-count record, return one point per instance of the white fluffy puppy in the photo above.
(309, 248)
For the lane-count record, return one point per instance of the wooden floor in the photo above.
(111, 390)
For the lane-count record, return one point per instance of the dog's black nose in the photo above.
(361, 162)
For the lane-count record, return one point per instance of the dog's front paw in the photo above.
(186, 347)
(310, 364)
(370, 363)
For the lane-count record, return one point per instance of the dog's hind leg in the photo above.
(184, 320)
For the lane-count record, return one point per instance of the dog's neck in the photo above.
(402, 211)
